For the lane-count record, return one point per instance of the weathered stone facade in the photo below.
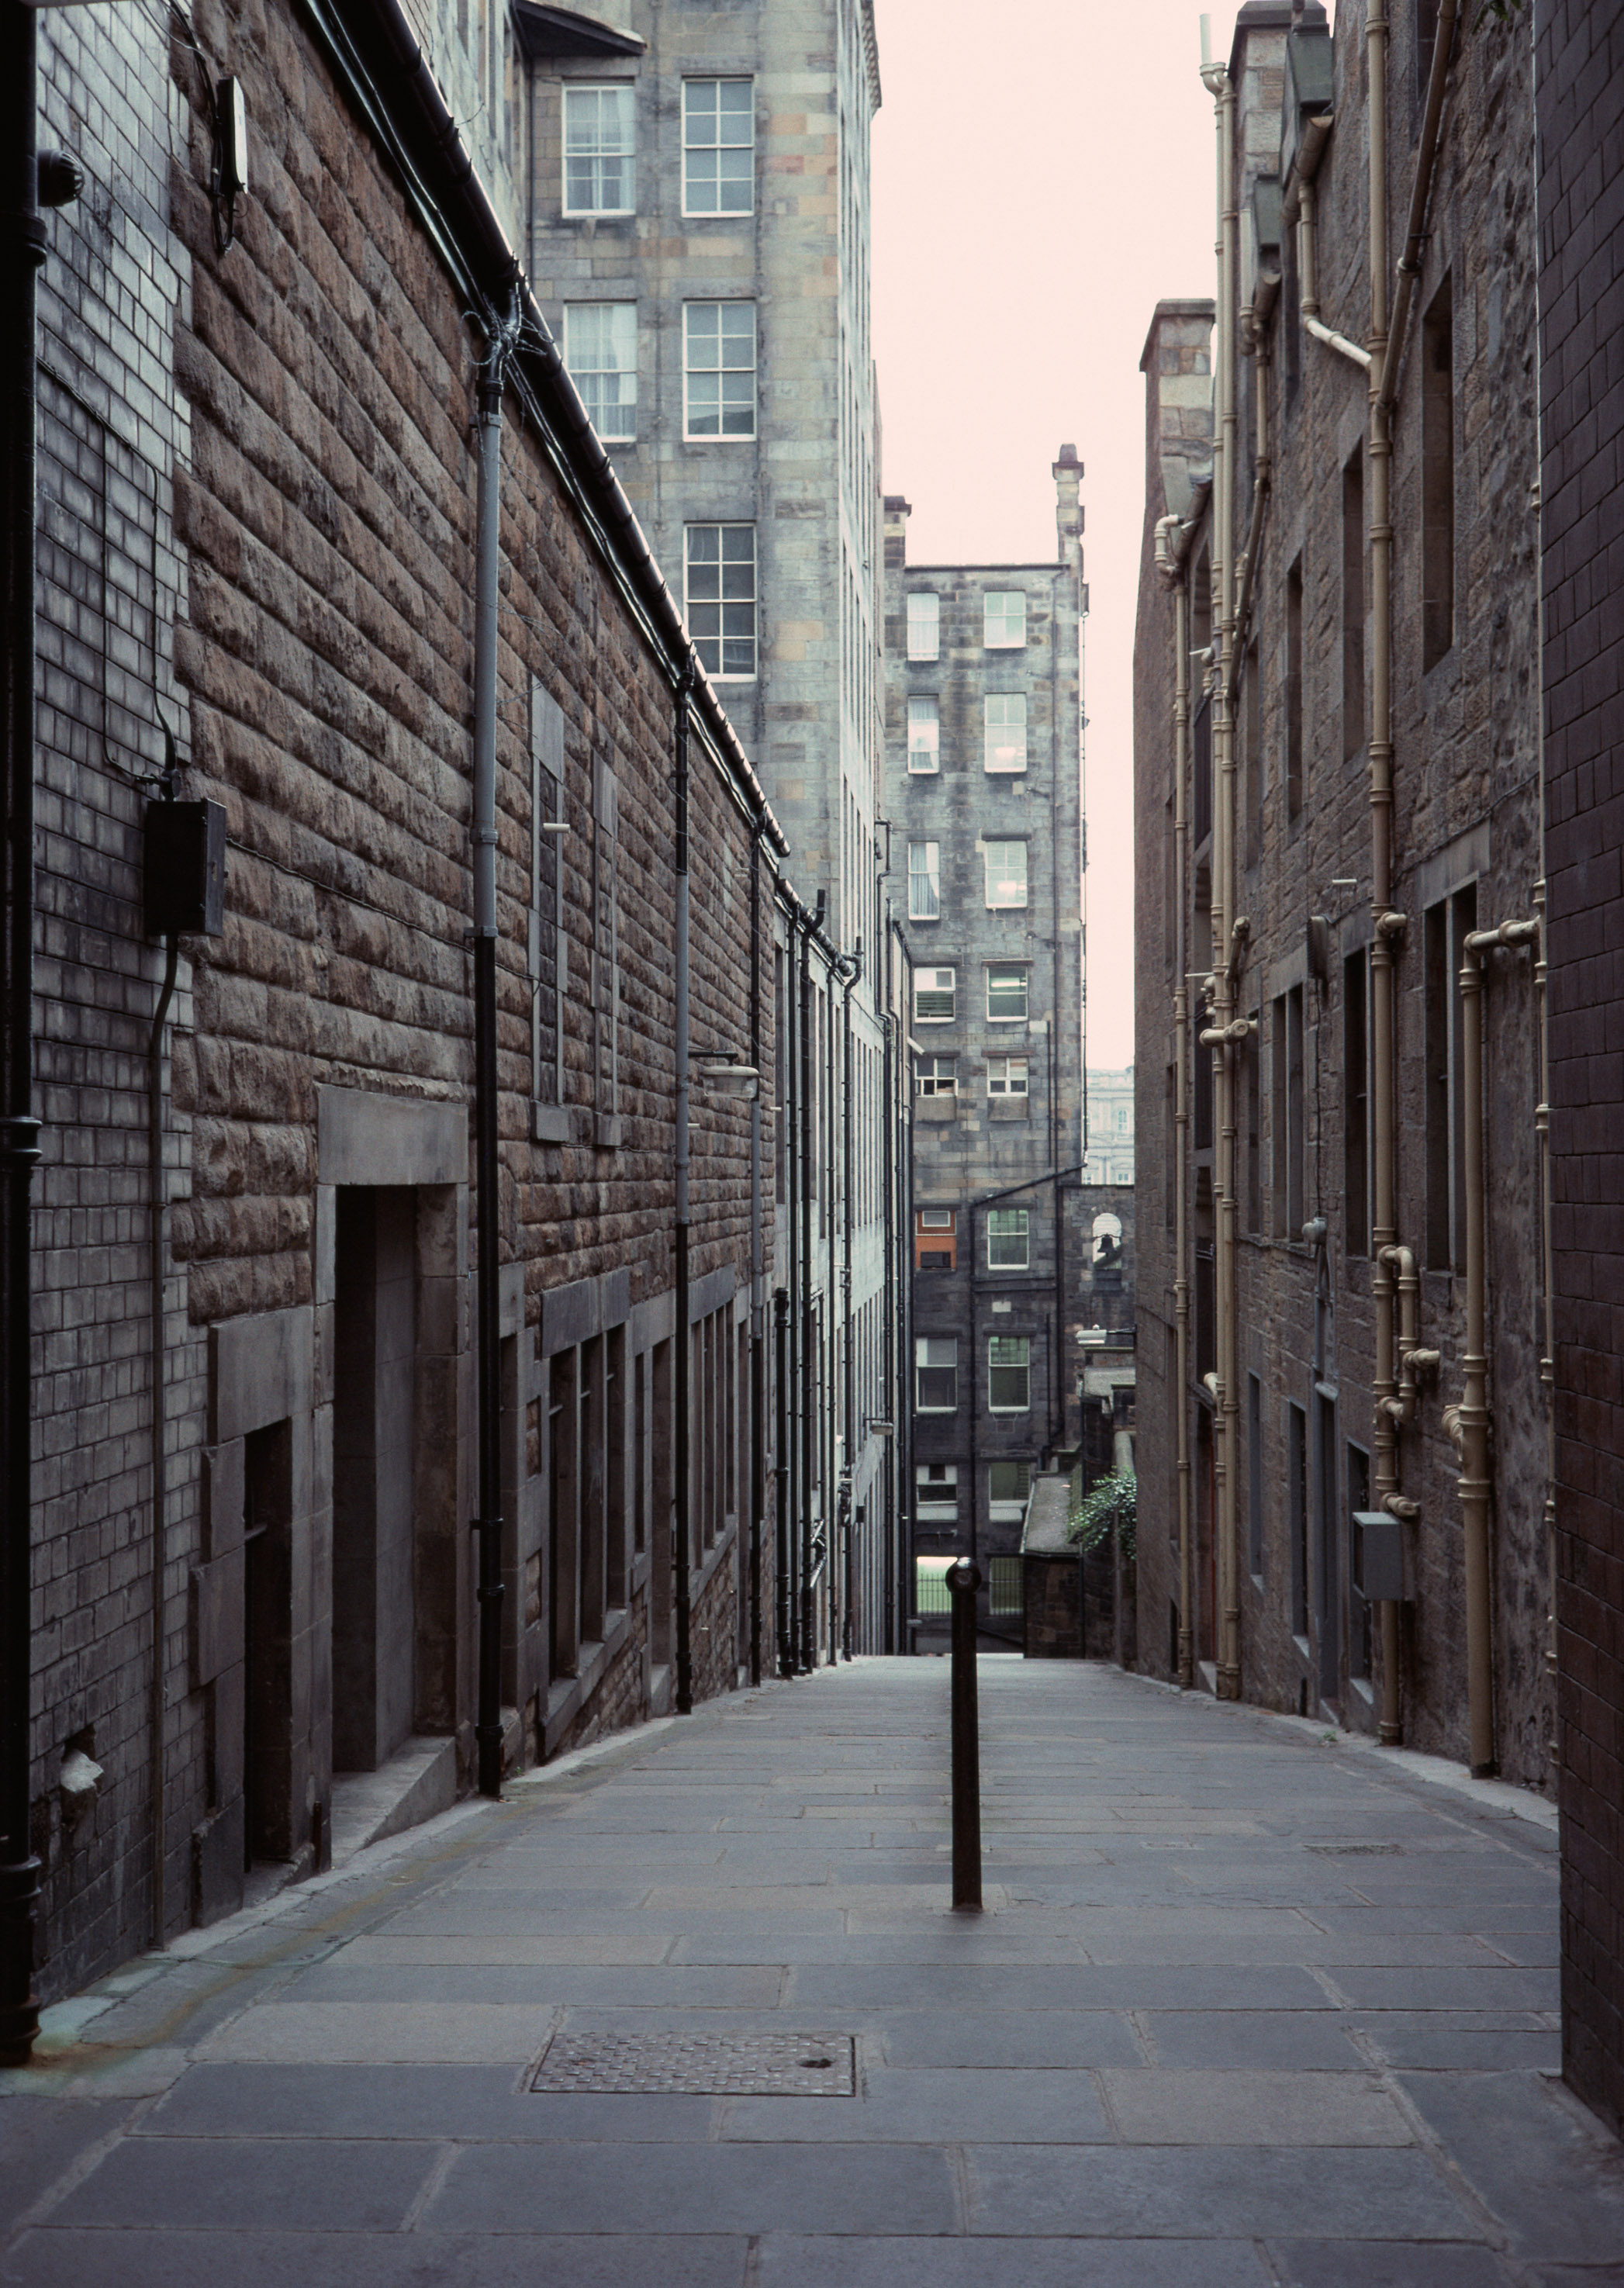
(985, 688)
(1304, 1439)
(1581, 257)
(258, 528)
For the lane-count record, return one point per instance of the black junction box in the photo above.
(185, 868)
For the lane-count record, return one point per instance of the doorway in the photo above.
(267, 1632)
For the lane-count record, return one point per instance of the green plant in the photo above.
(1502, 12)
(1117, 1497)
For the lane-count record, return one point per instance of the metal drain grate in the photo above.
(1356, 1850)
(699, 2065)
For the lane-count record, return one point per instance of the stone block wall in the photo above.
(1581, 79)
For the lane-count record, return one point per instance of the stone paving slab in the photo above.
(1247, 2007)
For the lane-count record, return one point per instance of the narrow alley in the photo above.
(1248, 2003)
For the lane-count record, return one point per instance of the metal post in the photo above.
(964, 1580)
(24, 252)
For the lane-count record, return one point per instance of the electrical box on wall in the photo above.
(183, 868)
(1378, 1556)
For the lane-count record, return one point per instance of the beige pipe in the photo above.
(1308, 272)
(1181, 1122)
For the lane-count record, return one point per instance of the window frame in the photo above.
(1006, 880)
(719, 372)
(931, 876)
(1023, 968)
(1004, 641)
(573, 92)
(1008, 1366)
(718, 81)
(721, 672)
(927, 1512)
(579, 373)
(951, 988)
(996, 699)
(932, 748)
(1008, 1092)
(1017, 1223)
(921, 597)
(935, 1088)
(924, 1364)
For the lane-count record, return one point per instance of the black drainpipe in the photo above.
(789, 1371)
(24, 251)
(849, 1395)
(684, 1653)
(758, 1348)
(806, 1647)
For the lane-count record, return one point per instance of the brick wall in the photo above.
(1581, 78)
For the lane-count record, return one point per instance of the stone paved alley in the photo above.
(1248, 2006)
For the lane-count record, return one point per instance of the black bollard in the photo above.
(964, 1580)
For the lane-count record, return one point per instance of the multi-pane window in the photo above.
(1448, 924)
(938, 1076)
(720, 569)
(1009, 1374)
(1006, 1075)
(1008, 1244)
(601, 349)
(1006, 873)
(1006, 992)
(1003, 621)
(924, 735)
(719, 368)
(936, 1239)
(718, 147)
(924, 625)
(598, 161)
(936, 1493)
(1006, 731)
(934, 996)
(1007, 1486)
(924, 881)
(936, 1374)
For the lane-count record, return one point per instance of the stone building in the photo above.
(1109, 1126)
(1342, 1424)
(984, 674)
(696, 191)
(1581, 410)
(253, 1635)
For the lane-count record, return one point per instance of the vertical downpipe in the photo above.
(160, 1468)
(781, 1481)
(758, 1290)
(1181, 1122)
(1473, 1416)
(488, 431)
(888, 1336)
(682, 1537)
(788, 1067)
(806, 1645)
(848, 1365)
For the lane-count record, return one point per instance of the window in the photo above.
(1006, 1076)
(934, 996)
(1007, 1486)
(1438, 478)
(721, 597)
(936, 1493)
(925, 736)
(1200, 770)
(718, 147)
(1006, 874)
(1359, 1612)
(1294, 689)
(1252, 1052)
(601, 349)
(938, 1076)
(1006, 731)
(1009, 1374)
(1287, 1106)
(931, 1593)
(1356, 1104)
(1353, 606)
(597, 166)
(1297, 1491)
(1448, 925)
(718, 369)
(924, 625)
(1253, 759)
(1004, 622)
(1005, 1585)
(925, 884)
(1007, 1246)
(936, 1374)
(936, 1239)
(1006, 992)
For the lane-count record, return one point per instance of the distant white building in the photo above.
(1108, 1128)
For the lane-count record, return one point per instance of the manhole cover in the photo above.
(1356, 1850)
(699, 2065)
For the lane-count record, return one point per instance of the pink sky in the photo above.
(1044, 173)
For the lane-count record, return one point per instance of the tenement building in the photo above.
(414, 956)
(696, 192)
(1343, 1419)
(984, 674)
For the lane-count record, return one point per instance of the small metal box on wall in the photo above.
(184, 869)
(1378, 1556)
